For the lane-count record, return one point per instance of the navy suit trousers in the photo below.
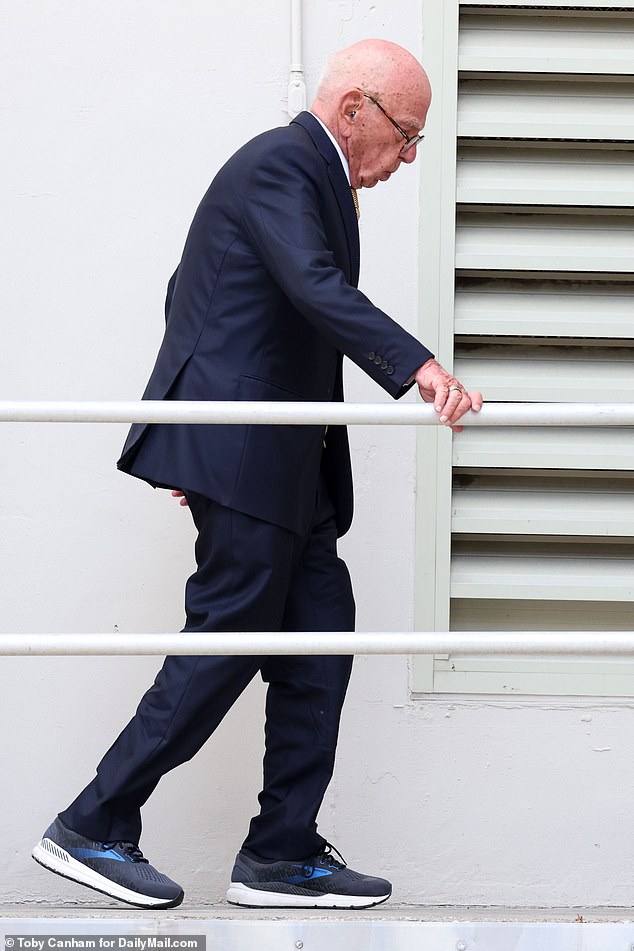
(251, 576)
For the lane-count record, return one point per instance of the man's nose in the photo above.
(410, 155)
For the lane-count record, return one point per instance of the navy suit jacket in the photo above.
(263, 306)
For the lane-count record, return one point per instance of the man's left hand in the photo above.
(450, 398)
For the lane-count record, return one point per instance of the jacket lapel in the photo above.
(340, 187)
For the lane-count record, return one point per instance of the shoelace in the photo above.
(327, 857)
(130, 850)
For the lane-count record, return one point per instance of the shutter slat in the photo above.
(548, 448)
(549, 309)
(548, 374)
(545, 242)
(559, 578)
(513, 108)
(532, 176)
(548, 5)
(604, 514)
(539, 44)
(535, 615)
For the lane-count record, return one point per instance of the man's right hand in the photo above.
(177, 494)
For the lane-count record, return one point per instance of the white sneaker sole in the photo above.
(56, 859)
(240, 894)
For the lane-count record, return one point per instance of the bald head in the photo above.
(376, 66)
(359, 85)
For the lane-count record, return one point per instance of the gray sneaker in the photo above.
(318, 882)
(117, 869)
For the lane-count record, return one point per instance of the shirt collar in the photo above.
(342, 157)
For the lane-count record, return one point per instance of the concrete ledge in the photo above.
(222, 927)
(96, 910)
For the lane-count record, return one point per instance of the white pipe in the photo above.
(614, 643)
(277, 413)
(296, 34)
(296, 84)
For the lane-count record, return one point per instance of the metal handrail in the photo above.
(614, 643)
(305, 413)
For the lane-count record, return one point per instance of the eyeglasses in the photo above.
(410, 140)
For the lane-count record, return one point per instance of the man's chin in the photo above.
(371, 182)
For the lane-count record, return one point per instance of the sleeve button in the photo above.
(378, 359)
(371, 355)
(390, 370)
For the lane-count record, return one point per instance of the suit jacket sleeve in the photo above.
(283, 217)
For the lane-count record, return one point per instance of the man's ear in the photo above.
(350, 105)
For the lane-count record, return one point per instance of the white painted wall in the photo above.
(115, 117)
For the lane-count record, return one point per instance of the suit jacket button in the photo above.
(378, 359)
(384, 365)
(371, 355)
(390, 370)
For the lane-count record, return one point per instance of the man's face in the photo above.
(375, 147)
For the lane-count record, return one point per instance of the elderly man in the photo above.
(263, 306)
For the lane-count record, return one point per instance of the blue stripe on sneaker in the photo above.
(94, 854)
(300, 879)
